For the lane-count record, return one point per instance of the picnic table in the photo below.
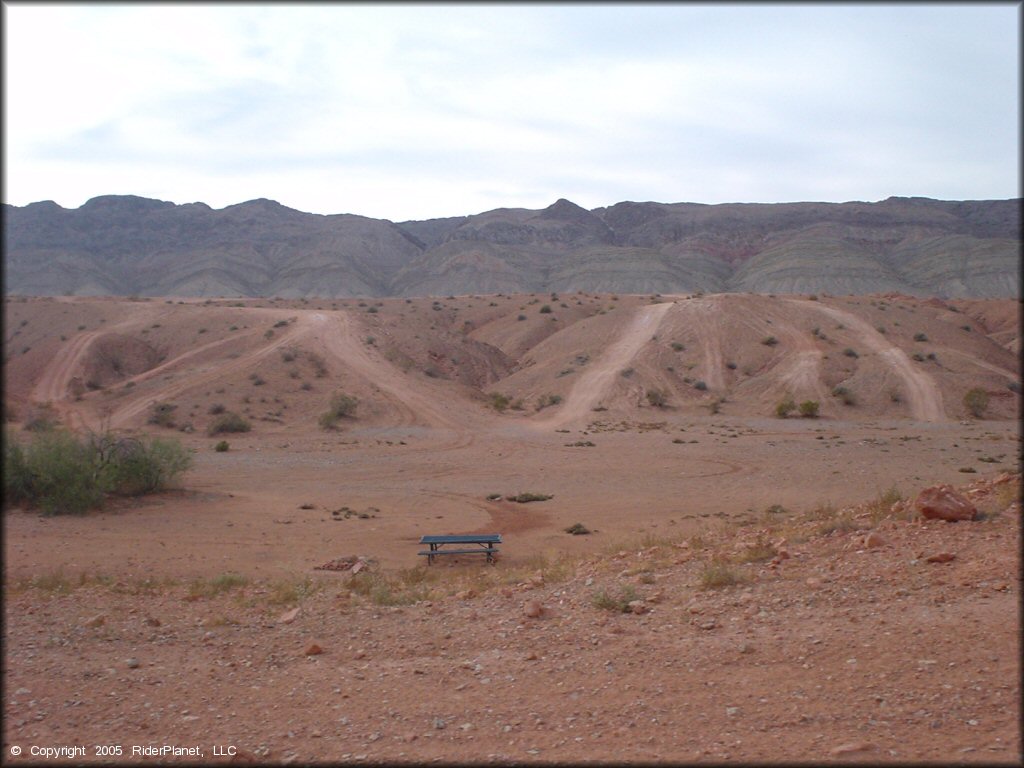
(486, 544)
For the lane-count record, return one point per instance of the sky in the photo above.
(417, 111)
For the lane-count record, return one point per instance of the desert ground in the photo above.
(752, 589)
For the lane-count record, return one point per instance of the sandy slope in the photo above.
(596, 381)
(922, 392)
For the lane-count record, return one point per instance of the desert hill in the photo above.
(125, 245)
(552, 359)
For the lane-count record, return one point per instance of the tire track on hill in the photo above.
(599, 376)
(341, 340)
(923, 393)
(125, 412)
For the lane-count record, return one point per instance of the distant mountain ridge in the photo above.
(127, 245)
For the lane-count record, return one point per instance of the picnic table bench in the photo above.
(486, 545)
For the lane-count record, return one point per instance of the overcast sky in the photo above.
(416, 111)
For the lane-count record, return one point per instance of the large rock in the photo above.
(941, 502)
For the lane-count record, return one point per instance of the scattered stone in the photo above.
(940, 557)
(852, 747)
(132, 663)
(360, 654)
(313, 650)
(709, 624)
(289, 616)
(96, 621)
(533, 609)
(532, 656)
(636, 606)
(875, 539)
(439, 723)
(941, 502)
(151, 622)
(466, 594)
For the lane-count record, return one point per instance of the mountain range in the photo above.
(128, 245)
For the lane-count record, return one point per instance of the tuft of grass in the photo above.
(207, 588)
(606, 601)
(758, 552)
(718, 573)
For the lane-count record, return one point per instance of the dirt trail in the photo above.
(922, 392)
(341, 340)
(599, 376)
(710, 340)
(131, 409)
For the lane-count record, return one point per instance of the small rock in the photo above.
(96, 621)
(360, 654)
(940, 557)
(941, 502)
(709, 624)
(466, 594)
(813, 582)
(132, 663)
(533, 609)
(151, 622)
(532, 656)
(636, 606)
(439, 723)
(875, 539)
(289, 616)
(851, 747)
(313, 650)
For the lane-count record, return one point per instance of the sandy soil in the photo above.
(158, 620)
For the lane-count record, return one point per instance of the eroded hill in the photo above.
(124, 245)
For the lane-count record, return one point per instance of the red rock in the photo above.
(875, 539)
(637, 606)
(851, 747)
(313, 650)
(940, 557)
(289, 616)
(533, 609)
(941, 502)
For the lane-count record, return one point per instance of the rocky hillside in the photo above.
(124, 245)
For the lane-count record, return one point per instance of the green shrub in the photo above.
(976, 402)
(809, 409)
(342, 407)
(62, 474)
(700, 385)
(41, 418)
(546, 309)
(133, 468)
(222, 446)
(850, 352)
(678, 346)
(657, 398)
(162, 414)
(545, 400)
(526, 498)
(499, 402)
(578, 529)
(228, 422)
(606, 602)
(784, 408)
(845, 395)
(920, 337)
(769, 341)
(216, 409)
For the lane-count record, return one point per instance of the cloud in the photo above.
(413, 111)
